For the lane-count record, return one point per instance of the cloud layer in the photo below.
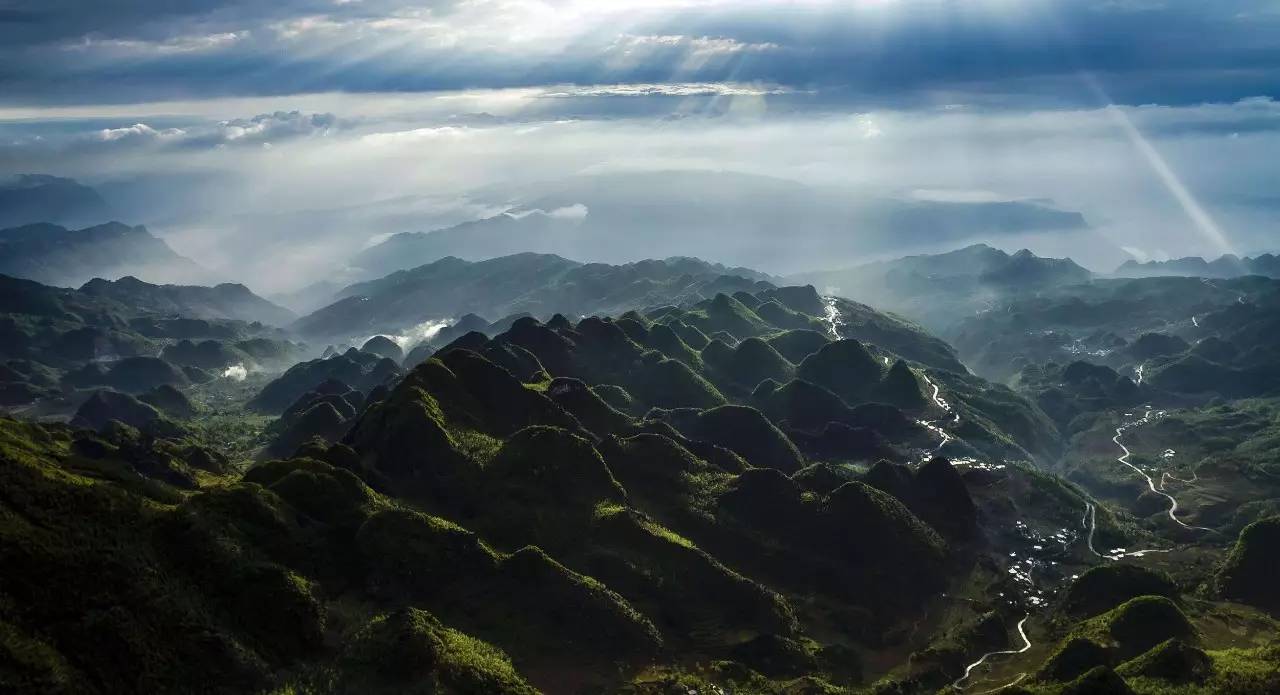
(887, 51)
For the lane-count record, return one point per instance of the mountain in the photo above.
(538, 284)
(755, 221)
(978, 263)
(55, 255)
(939, 289)
(32, 198)
(491, 522)
(225, 301)
(1228, 266)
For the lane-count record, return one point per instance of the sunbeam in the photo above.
(1169, 179)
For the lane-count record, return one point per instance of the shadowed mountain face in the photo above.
(1194, 266)
(225, 301)
(771, 224)
(31, 198)
(55, 255)
(524, 283)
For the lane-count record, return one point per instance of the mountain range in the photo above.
(224, 301)
(1228, 266)
(940, 289)
(526, 283)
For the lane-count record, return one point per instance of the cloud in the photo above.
(416, 135)
(280, 124)
(258, 130)
(140, 131)
(703, 45)
(170, 46)
(687, 89)
(577, 211)
(1138, 254)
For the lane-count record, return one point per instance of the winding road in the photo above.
(1088, 520)
(1151, 484)
(933, 425)
(1091, 516)
(1026, 645)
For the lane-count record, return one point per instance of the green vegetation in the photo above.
(1248, 574)
(715, 496)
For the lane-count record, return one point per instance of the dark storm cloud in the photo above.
(910, 51)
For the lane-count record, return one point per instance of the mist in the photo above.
(316, 194)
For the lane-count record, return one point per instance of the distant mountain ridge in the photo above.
(31, 198)
(1227, 266)
(985, 264)
(938, 289)
(54, 255)
(225, 301)
(775, 225)
(538, 284)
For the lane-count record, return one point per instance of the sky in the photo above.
(315, 127)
